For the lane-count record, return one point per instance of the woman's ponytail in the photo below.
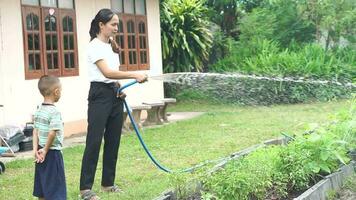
(94, 29)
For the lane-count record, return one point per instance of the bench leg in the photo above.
(125, 124)
(136, 114)
(163, 113)
(153, 117)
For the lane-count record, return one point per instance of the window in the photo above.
(50, 42)
(132, 35)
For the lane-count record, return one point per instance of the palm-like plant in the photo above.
(186, 38)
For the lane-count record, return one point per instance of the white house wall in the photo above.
(20, 96)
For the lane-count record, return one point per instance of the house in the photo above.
(40, 37)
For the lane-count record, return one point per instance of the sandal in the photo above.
(114, 189)
(89, 195)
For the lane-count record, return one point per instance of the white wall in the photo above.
(21, 96)
(1, 74)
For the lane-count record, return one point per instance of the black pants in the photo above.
(105, 118)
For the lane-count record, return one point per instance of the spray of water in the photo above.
(189, 78)
(257, 90)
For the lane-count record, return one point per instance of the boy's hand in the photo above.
(41, 155)
(36, 155)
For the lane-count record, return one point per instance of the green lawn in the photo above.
(224, 129)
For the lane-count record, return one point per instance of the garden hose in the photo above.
(165, 169)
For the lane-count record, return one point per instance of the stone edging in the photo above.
(333, 181)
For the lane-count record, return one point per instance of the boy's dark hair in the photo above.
(47, 84)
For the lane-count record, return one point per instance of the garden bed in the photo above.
(332, 182)
(170, 194)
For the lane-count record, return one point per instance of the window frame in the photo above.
(42, 13)
(136, 18)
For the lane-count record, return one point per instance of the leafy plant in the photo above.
(186, 38)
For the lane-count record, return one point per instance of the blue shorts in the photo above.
(49, 177)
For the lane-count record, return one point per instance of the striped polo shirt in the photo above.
(48, 118)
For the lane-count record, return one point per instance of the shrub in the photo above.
(186, 39)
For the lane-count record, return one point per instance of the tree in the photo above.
(225, 13)
(333, 19)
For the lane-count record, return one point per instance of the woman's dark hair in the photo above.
(104, 16)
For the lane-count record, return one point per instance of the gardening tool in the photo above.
(165, 169)
(4, 150)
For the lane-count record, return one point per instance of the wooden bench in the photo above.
(163, 110)
(136, 111)
(153, 115)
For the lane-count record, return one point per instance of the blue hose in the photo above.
(144, 145)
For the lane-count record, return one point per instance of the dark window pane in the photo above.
(130, 42)
(130, 27)
(65, 23)
(134, 57)
(133, 41)
(65, 42)
(29, 23)
(31, 62)
(48, 42)
(71, 60)
(49, 61)
(142, 27)
(30, 41)
(71, 42)
(38, 61)
(54, 42)
(122, 42)
(32, 22)
(37, 41)
(66, 60)
(35, 22)
(121, 27)
(55, 60)
(122, 58)
(70, 24)
(142, 42)
(50, 23)
(130, 57)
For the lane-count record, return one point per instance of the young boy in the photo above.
(49, 181)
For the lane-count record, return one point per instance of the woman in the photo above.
(105, 110)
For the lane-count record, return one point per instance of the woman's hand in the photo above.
(141, 78)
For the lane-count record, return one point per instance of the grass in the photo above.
(222, 130)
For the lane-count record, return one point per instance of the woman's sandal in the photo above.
(114, 189)
(89, 195)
